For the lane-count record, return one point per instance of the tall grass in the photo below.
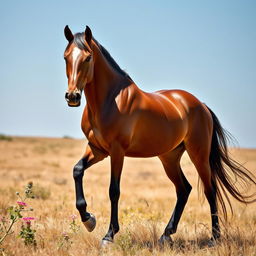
(145, 205)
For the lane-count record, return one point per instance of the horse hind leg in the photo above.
(199, 155)
(171, 164)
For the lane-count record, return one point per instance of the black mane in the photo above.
(79, 41)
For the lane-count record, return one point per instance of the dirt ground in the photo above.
(146, 202)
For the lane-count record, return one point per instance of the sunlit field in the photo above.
(146, 202)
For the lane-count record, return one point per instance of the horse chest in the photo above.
(99, 139)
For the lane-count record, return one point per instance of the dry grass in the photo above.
(147, 198)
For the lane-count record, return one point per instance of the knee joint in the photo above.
(78, 171)
(114, 194)
(187, 187)
(184, 193)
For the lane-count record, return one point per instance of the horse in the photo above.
(120, 120)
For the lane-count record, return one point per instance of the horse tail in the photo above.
(226, 173)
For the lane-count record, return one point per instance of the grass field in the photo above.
(147, 199)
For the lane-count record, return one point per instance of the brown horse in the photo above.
(121, 120)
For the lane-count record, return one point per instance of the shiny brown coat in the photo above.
(120, 120)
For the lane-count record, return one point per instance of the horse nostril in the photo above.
(73, 98)
(78, 96)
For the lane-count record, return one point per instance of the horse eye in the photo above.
(88, 58)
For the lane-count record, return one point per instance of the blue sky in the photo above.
(205, 47)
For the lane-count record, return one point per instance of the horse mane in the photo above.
(80, 43)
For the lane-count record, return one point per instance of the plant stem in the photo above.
(8, 230)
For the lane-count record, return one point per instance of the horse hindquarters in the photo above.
(198, 145)
(209, 154)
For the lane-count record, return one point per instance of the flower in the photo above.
(21, 203)
(65, 235)
(28, 218)
(3, 219)
(73, 216)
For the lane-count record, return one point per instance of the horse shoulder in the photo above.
(127, 99)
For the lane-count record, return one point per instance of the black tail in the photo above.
(227, 174)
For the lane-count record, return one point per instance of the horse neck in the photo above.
(106, 83)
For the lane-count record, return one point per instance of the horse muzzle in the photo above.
(73, 98)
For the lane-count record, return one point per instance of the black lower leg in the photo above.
(211, 197)
(114, 194)
(78, 174)
(182, 197)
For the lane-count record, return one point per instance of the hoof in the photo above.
(90, 223)
(165, 241)
(212, 242)
(106, 242)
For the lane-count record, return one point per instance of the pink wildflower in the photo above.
(73, 216)
(28, 218)
(21, 203)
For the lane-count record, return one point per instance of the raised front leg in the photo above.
(91, 157)
(117, 158)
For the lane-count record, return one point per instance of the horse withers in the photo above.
(121, 120)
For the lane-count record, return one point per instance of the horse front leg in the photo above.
(91, 157)
(117, 159)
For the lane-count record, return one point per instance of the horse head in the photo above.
(79, 64)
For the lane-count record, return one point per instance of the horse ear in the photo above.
(68, 34)
(88, 35)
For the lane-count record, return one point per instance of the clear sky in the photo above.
(205, 47)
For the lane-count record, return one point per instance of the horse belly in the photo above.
(155, 137)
